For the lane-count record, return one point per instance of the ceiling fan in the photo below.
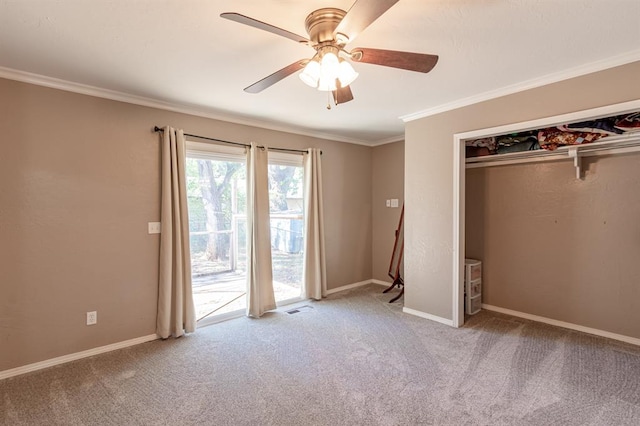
(330, 30)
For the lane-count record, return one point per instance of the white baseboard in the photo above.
(576, 327)
(425, 315)
(75, 356)
(349, 286)
(380, 282)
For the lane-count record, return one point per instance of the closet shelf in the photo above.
(622, 144)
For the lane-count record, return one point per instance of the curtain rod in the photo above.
(159, 129)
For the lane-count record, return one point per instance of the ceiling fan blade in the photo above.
(411, 61)
(272, 79)
(361, 15)
(342, 94)
(236, 17)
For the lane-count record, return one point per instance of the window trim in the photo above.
(285, 159)
(209, 151)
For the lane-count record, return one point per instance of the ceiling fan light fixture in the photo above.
(346, 73)
(311, 73)
(333, 68)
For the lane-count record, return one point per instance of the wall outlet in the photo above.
(154, 227)
(394, 203)
(92, 318)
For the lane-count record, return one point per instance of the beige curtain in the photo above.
(315, 274)
(176, 313)
(260, 295)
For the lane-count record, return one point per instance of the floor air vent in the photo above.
(304, 308)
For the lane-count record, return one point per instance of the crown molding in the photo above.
(392, 139)
(84, 89)
(69, 86)
(581, 70)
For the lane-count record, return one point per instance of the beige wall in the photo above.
(387, 183)
(79, 180)
(429, 171)
(559, 247)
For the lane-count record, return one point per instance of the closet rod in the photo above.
(159, 129)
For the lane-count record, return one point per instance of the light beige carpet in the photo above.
(352, 359)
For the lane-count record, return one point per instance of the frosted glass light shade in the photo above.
(326, 83)
(330, 64)
(311, 74)
(346, 74)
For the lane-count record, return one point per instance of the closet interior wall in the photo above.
(556, 246)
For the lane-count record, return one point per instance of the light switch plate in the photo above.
(154, 227)
(388, 203)
(394, 202)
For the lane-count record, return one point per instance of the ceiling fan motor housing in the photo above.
(321, 24)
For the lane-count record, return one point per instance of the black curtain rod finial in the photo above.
(158, 129)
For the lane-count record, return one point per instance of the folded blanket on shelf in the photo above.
(480, 147)
(517, 142)
(551, 138)
(628, 122)
(606, 126)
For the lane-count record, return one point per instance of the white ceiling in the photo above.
(181, 52)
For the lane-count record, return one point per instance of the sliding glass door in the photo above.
(216, 191)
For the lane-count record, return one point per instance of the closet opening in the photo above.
(571, 154)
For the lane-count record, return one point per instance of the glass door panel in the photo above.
(216, 191)
(287, 205)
